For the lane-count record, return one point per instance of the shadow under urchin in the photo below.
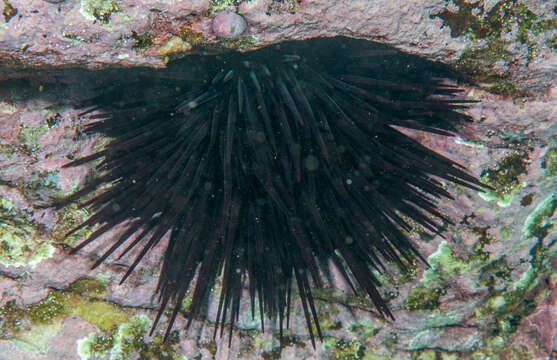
(266, 167)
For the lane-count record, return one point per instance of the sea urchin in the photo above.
(267, 167)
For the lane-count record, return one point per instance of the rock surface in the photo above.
(490, 38)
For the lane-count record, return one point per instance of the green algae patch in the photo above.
(539, 222)
(95, 346)
(31, 328)
(100, 10)
(66, 220)
(188, 299)
(7, 108)
(142, 41)
(78, 36)
(57, 305)
(475, 21)
(190, 36)
(549, 163)
(174, 45)
(15, 320)
(444, 263)
(49, 308)
(20, 243)
(504, 178)
(220, 5)
(505, 303)
(425, 295)
(128, 334)
(89, 287)
(253, 340)
(332, 296)
(509, 314)
(505, 23)
(11, 320)
(363, 327)
(259, 342)
(427, 339)
(60, 303)
(39, 182)
(277, 7)
(37, 338)
(241, 43)
(99, 313)
(527, 281)
(29, 137)
(509, 306)
(343, 349)
(126, 341)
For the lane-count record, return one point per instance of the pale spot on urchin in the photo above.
(311, 163)
(229, 25)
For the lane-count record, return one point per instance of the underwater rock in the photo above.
(229, 25)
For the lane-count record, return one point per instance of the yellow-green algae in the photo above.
(549, 162)
(66, 220)
(326, 306)
(126, 340)
(32, 327)
(59, 304)
(37, 338)
(100, 10)
(275, 7)
(474, 21)
(77, 36)
(174, 45)
(507, 307)
(221, 5)
(20, 240)
(29, 137)
(7, 108)
(188, 298)
(92, 288)
(504, 178)
(425, 295)
(255, 339)
(330, 295)
(243, 42)
(142, 41)
(28, 140)
(355, 350)
(190, 36)
(343, 349)
(540, 221)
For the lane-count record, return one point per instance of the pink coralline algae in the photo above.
(228, 25)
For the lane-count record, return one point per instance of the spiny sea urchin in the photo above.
(266, 167)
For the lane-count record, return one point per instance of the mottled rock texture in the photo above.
(491, 289)
(488, 37)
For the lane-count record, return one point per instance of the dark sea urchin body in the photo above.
(266, 167)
